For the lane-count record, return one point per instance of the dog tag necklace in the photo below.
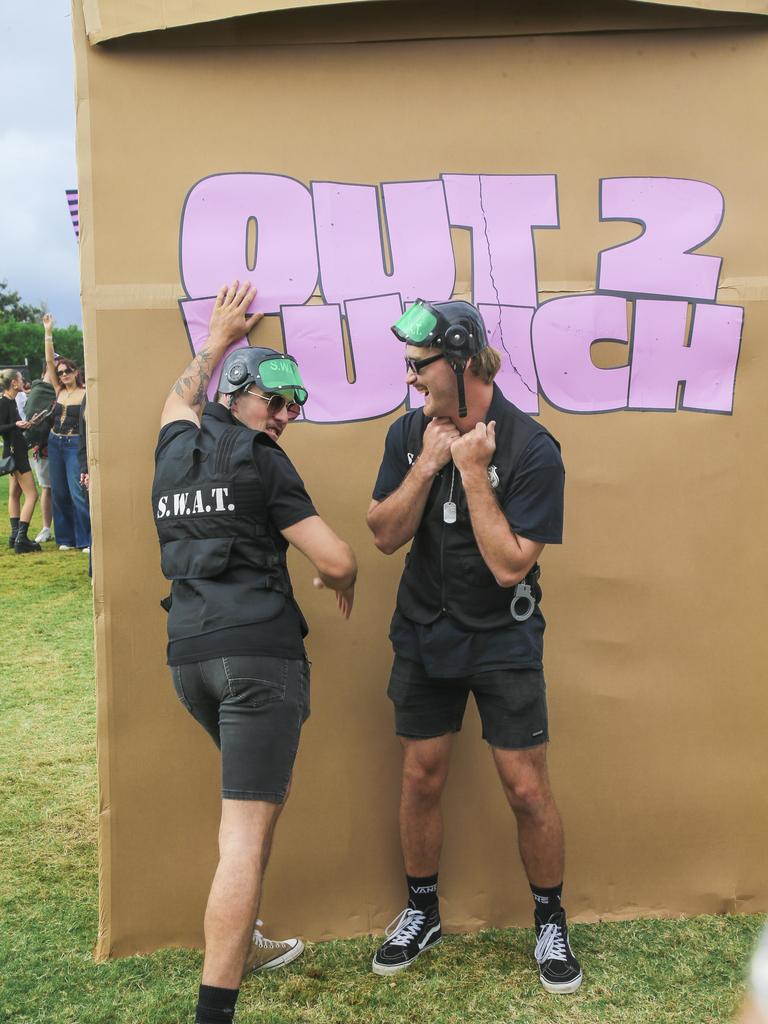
(449, 507)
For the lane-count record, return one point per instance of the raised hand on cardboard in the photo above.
(229, 320)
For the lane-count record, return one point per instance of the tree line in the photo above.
(21, 335)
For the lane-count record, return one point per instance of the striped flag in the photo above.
(74, 210)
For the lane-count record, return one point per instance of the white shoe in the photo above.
(65, 547)
(44, 535)
(267, 954)
(86, 551)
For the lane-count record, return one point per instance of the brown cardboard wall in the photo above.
(655, 643)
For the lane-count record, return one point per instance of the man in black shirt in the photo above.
(478, 486)
(227, 503)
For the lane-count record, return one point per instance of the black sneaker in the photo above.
(559, 970)
(409, 935)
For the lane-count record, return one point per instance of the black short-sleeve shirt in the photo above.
(287, 504)
(532, 504)
(533, 507)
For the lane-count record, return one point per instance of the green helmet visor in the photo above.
(282, 375)
(419, 325)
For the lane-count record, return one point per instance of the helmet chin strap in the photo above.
(232, 400)
(458, 366)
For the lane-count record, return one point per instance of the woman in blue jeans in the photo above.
(71, 517)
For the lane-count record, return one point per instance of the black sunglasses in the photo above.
(276, 403)
(417, 365)
(64, 372)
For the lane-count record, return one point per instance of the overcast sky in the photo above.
(38, 249)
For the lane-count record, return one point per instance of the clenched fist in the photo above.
(440, 434)
(474, 450)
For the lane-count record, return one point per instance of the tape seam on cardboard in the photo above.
(167, 295)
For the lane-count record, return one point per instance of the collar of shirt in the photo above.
(220, 412)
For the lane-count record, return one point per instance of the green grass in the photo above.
(659, 972)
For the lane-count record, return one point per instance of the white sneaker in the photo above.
(44, 535)
(86, 551)
(267, 954)
(65, 547)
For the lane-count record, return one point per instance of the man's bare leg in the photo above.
(245, 837)
(525, 780)
(425, 770)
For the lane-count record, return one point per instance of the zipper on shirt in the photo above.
(442, 553)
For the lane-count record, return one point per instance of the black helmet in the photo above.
(267, 369)
(455, 327)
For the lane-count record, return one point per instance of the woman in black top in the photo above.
(21, 480)
(71, 518)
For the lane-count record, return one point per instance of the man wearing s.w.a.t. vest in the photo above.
(478, 486)
(227, 503)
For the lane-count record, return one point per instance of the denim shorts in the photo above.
(253, 708)
(512, 704)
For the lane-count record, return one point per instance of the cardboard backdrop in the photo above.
(599, 195)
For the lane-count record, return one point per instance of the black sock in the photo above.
(546, 902)
(216, 1005)
(422, 892)
(14, 526)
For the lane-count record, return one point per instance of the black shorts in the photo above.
(20, 458)
(253, 707)
(512, 704)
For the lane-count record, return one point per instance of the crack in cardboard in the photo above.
(496, 290)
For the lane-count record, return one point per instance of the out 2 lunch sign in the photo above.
(370, 251)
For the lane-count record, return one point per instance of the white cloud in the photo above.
(38, 249)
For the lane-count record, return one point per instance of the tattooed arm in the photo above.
(229, 323)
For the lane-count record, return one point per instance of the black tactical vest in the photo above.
(444, 571)
(226, 561)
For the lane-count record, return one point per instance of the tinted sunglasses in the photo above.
(276, 404)
(417, 365)
(64, 371)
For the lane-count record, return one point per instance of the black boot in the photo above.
(23, 544)
(14, 531)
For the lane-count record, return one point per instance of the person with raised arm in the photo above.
(71, 515)
(39, 413)
(227, 504)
